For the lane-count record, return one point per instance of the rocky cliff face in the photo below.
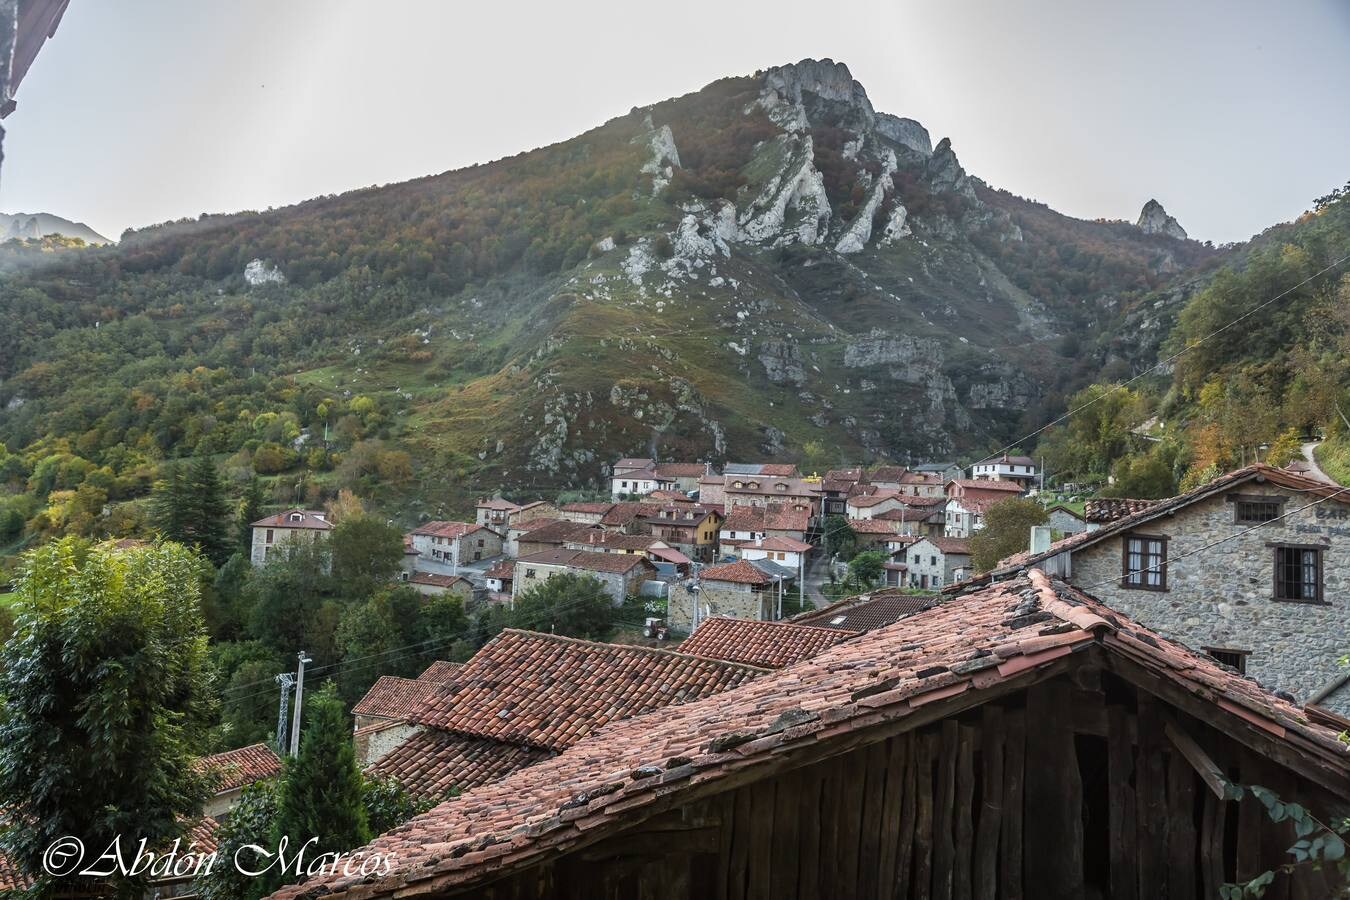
(1153, 219)
(26, 226)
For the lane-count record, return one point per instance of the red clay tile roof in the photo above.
(440, 671)
(497, 503)
(981, 484)
(680, 470)
(503, 568)
(633, 462)
(876, 526)
(598, 508)
(1108, 509)
(448, 529)
(431, 762)
(432, 579)
(392, 697)
(548, 691)
(768, 644)
(608, 540)
(872, 499)
(866, 612)
(888, 474)
(618, 563)
(309, 518)
(236, 768)
(738, 572)
(626, 512)
(785, 544)
(950, 545)
(556, 531)
(778, 470)
(993, 639)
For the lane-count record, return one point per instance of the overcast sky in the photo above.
(1233, 113)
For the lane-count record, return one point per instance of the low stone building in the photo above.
(1253, 568)
(1064, 520)
(621, 574)
(739, 589)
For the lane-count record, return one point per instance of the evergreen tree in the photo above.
(106, 699)
(322, 791)
(208, 521)
(250, 511)
(169, 504)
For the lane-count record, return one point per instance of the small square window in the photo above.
(1144, 563)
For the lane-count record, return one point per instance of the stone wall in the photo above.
(719, 599)
(1222, 597)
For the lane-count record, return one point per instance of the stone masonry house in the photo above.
(865, 506)
(934, 562)
(1018, 741)
(495, 512)
(383, 717)
(289, 527)
(1253, 568)
(761, 490)
(434, 584)
(230, 772)
(740, 589)
(1064, 520)
(441, 545)
(622, 574)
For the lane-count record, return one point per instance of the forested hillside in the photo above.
(761, 267)
(1262, 366)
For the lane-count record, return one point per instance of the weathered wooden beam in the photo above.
(904, 858)
(984, 881)
(1151, 803)
(965, 812)
(923, 818)
(1193, 753)
(1014, 805)
(944, 813)
(1181, 861)
(891, 802)
(1054, 794)
(1121, 815)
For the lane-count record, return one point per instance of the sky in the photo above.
(1232, 113)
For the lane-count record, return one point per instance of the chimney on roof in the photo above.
(1040, 538)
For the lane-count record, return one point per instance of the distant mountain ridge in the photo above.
(26, 226)
(762, 265)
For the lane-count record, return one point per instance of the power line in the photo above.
(1161, 363)
(1223, 540)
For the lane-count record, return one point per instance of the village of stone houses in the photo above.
(737, 500)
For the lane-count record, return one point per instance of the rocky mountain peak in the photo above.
(1153, 219)
(825, 78)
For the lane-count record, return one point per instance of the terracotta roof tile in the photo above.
(392, 697)
(310, 519)
(866, 611)
(738, 572)
(878, 677)
(680, 470)
(440, 671)
(236, 768)
(547, 691)
(768, 644)
(1108, 509)
(431, 762)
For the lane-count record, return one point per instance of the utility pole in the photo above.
(299, 697)
(696, 588)
(287, 681)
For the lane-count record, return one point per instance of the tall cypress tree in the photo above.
(208, 522)
(169, 504)
(250, 511)
(322, 789)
